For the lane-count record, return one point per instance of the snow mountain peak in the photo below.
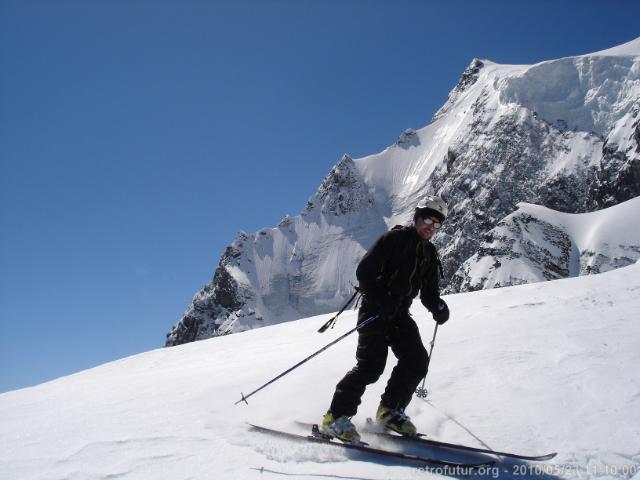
(342, 191)
(562, 134)
(468, 78)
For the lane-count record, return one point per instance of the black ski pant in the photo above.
(402, 335)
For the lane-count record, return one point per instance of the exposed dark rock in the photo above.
(618, 176)
(409, 138)
(493, 170)
(468, 78)
(342, 191)
(520, 238)
(213, 304)
(451, 157)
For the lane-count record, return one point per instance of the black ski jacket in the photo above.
(398, 266)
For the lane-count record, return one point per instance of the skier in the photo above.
(402, 262)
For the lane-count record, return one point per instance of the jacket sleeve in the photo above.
(371, 266)
(430, 289)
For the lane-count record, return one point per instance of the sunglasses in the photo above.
(431, 221)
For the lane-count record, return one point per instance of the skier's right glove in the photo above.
(440, 312)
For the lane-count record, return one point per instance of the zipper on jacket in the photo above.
(413, 272)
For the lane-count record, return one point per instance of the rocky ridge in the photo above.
(535, 244)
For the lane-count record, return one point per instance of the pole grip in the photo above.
(332, 320)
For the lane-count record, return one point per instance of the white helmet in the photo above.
(432, 205)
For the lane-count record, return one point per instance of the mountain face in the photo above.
(535, 243)
(562, 134)
(301, 267)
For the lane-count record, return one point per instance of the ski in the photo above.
(421, 438)
(367, 449)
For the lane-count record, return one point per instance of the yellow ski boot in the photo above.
(396, 420)
(340, 428)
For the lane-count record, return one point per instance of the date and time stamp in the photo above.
(557, 470)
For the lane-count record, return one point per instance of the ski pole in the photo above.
(422, 392)
(366, 322)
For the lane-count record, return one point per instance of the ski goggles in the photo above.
(431, 221)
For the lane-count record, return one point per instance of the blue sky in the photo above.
(138, 137)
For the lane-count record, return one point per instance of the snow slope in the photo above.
(532, 368)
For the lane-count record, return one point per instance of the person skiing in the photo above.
(401, 263)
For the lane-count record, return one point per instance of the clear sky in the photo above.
(138, 137)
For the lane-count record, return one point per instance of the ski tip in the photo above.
(532, 458)
(548, 456)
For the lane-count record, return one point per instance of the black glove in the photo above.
(440, 312)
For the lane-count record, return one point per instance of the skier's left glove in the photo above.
(440, 312)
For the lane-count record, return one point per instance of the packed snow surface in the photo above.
(542, 367)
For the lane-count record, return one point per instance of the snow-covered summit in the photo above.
(563, 134)
(631, 48)
(586, 93)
